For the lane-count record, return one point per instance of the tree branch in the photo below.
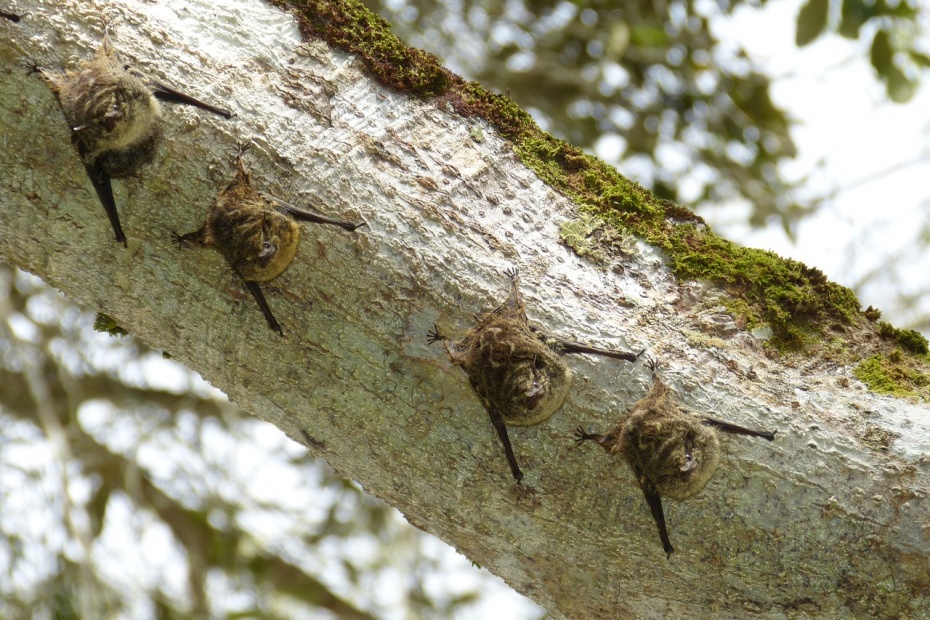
(824, 521)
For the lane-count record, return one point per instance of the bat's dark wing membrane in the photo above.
(104, 189)
(655, 506)
(256, 291)
(735, 429)
(568, 346)
(501, 427)
(303, 215)
(163, 92)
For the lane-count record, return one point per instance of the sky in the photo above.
(845, 119)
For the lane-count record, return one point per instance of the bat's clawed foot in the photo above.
(179, 240)
(582, 436)
(241, 148)
(34, 67)
(433, 335)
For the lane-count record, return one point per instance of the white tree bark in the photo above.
(819, 523)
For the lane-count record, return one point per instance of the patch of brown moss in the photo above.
(349, 26)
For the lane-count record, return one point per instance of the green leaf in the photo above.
(649, 36)
(854, 14)
(921, 59)
(900, 87)
(811, 21)
(97, 509)
(881, 53)
(901, 8)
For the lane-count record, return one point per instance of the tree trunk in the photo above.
(830, 519)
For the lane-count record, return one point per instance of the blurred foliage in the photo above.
(692, 115)
(895, 51)
(130, 488)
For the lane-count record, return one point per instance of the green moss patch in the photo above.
(907, 339)
(795, 300)
(591, 237)
(105, 324)
(894, 374)
(349, 26)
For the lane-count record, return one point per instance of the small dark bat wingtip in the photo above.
(274, 325)
(351, 226)
(256, 291)
(104, 189)
(118, 234)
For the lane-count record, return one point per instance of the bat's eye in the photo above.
(534, 395)
(112, 117)
(268, 249)
(538, 364)
(690, 463)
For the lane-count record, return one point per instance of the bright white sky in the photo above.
(846, 120)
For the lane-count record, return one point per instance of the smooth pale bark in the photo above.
(821, 522)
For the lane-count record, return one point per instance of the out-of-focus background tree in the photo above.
(129, 488)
